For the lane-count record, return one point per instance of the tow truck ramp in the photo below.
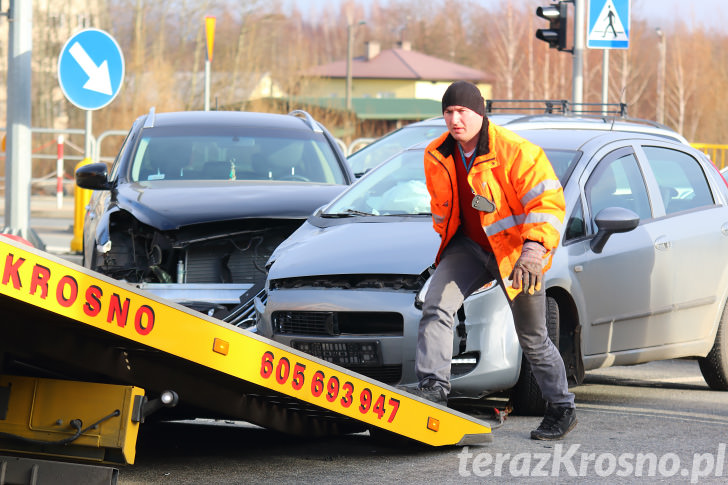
(85, 359)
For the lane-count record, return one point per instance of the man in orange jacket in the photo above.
(498, 208)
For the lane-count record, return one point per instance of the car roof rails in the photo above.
(308, 119)
(547, 106)
(604, 109)
(525, 110)
(555, 106)
(149, 122)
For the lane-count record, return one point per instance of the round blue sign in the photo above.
(91, 69)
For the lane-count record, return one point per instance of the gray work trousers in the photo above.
(464, 267)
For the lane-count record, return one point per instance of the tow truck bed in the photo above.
(65, 323)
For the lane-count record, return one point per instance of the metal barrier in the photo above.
(102, 137)
(358, 144)
(717, 153)
(50, 178)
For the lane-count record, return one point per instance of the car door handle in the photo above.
(662, 243)
(724, 229)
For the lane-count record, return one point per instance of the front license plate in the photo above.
(343, 353)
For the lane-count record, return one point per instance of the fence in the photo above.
(717, 153)
(75, 154)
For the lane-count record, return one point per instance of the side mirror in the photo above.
(94, 176)
(611, 221)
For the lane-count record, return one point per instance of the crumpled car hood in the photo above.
(357, 248)
(172, 204)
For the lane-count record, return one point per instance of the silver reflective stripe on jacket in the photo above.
(539, 190)
(516, 220)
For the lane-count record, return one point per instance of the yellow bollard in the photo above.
(81, 198)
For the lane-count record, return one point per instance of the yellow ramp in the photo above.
(64, 318)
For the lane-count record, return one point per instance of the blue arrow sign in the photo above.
(608, 24)
(91, 69)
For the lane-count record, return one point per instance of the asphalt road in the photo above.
(656, 421)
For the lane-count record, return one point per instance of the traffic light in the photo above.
(555, 35)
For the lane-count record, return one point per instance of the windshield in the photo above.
(397, 187)
(376, 152)
(197, 157)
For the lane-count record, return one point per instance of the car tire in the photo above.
(526, 398)
(85, 262)
(91, 264)
(714, 366)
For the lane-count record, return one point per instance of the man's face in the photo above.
(463, 123)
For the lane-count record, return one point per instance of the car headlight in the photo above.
(420, 297)
(486, 287)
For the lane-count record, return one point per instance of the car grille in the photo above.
(337, 323)
(389, 374)
(245, 314)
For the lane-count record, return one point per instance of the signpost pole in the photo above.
(90, 73)
(59, 172)
(608, 29)
(210, 41)
(577, 88)
(207, 85)
(605, 80)
(18, 168)
(88, 146)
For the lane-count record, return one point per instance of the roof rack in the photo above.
(528, 105)
(616, 109)
(308, 119)
(551, 106)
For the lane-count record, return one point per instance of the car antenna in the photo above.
(622, 110)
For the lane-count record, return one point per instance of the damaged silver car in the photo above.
(196, 202)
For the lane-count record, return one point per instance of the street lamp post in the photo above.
(661, 77)
(349, 47)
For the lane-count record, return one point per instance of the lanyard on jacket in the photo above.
(468, 163)
(479, 202)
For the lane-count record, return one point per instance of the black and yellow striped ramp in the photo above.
(69, 322)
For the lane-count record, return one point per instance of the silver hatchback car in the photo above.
(641, 273)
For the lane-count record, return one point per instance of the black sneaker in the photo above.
(435, 394)
(556, 423)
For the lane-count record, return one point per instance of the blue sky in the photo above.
(712, 14)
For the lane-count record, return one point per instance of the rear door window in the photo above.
(683, 185)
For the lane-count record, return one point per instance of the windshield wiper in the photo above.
(347, 213)
(406, 214)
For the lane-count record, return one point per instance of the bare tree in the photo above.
(163, 43)
(507, 49)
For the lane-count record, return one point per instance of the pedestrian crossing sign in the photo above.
(608, 24)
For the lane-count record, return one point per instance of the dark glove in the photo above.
(528, 271)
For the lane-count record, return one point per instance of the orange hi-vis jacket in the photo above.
(517, 177)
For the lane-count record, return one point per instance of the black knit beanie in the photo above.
(463, 93)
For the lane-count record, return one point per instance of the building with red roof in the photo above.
(392, 84)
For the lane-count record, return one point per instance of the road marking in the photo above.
(652, 413)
